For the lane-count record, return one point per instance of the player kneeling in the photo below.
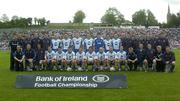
(90, 57)
(100, 61)
(60, 58)
(50, 59)
(70, 60)
(169, 60)
(121, 59)
(81, 60)
(111, 59)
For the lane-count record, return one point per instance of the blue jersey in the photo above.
(98, 43)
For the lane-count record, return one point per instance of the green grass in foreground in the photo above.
(148, 86)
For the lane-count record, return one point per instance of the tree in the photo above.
(35, 20)
(173, 21)
(139, 17)
(113, 16)
(145, 18)
(151, 20)
(4, 18)
(29, 21)
(79, 17)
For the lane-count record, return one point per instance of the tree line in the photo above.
(21, 22)
(139, 18)
(112, 16)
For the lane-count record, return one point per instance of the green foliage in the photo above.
(20, 22)
(113, 16)
(79, 17)
(174, 20)
(144, 17)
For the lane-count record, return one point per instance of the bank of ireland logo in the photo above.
(100, 78)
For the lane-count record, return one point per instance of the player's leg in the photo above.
(96, 65)
(84, 65)
(130, 64)
(74, 64)
(154, 65)
(117, 64)
(126, 67)
(173, 66)
(53, 63)
(145, 65)
(64, 64)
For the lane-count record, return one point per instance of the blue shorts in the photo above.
(116, 50)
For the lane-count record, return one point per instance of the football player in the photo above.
(70, 60)
(116, 42)
(66, 42)
(50, 59)
(81, 59)
(100, 62)
(108, 43)
(90, 57)
(77, 42)
(121, 59)
(110, 58)
(88, 42)
(60, 58)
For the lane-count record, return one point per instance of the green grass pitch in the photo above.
(142, 86)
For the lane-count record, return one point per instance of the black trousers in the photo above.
(12, 68)
(18, 66)
(130, 64)
(160, 67)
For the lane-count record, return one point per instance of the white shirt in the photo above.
(116, 43)
(66, 43)
(70, 56)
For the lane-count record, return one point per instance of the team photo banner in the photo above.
(72, 81)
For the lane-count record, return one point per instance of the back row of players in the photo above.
(98, 54)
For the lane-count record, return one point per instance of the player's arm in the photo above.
(14, 55)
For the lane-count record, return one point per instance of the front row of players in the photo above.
(147, 60)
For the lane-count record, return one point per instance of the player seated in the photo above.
(158, 61)
(149, 58)
(81, 59)
(132, 59)
(141, 57)
(18, 59)
(50, 59)
(90, 57)
(39, 61)
(110, 59)
(30, 56)
(100, 61)
(121, 59)
(70, 60)
(60, 59)
(169, 60)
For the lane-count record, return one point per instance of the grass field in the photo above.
(143, 86)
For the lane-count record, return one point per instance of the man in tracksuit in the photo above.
(158, 62)
(30, 56)
(169, 60)
(18, 59)
(132, 59)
